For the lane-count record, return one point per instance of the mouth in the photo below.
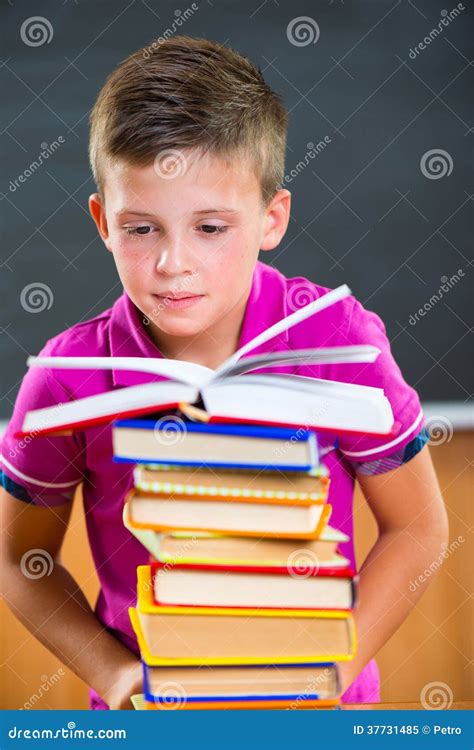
(179, 300)
(177, 295)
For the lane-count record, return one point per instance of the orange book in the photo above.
(227, 705)
(262, 517)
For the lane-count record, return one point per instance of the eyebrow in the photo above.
(219, 210)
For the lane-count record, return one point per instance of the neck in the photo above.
(211, 347)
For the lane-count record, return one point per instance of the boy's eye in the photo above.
(146, 229)
(213, 229)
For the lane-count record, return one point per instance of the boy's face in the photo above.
(187, 227)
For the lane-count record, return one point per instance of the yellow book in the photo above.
(205, 482)
(203, 547)
(262, 517)
(170, 636)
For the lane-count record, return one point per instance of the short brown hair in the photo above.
(186, 93)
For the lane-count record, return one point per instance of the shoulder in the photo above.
(87, 338)
(348, 322)
(341, 324)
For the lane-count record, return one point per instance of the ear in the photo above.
(97, 211)
(276, 219)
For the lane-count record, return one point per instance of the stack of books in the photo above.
(245, 601)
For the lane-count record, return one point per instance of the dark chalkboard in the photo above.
(378, 161)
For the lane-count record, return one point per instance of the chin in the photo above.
(178, 328)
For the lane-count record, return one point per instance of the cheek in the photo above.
(226, 260)
(134, 265)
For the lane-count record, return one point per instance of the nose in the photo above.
(174, 259)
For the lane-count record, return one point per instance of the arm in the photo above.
(53, 607)
(413, 528)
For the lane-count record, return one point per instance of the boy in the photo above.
(187, 149)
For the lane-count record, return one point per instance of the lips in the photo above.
(177, 295)
(178, 301)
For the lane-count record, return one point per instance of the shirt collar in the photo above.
(266, 304)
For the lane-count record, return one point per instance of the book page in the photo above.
(176, 369)
(323, 356)
(285, 323)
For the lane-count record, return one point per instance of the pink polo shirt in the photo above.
(50, 468)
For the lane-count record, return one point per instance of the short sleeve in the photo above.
(395, 459)
(366, 327)
(47, 468)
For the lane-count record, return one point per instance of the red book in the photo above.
(301, 584)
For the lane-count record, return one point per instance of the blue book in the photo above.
(299, 682)
(175, 441)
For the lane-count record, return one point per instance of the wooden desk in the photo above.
(455, 706)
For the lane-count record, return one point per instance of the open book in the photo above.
(230, 393)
